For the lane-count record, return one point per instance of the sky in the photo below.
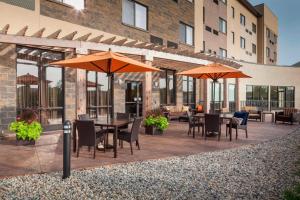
(288, 14)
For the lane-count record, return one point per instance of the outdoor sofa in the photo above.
(253, 111)
(176, 112)
(287, 115)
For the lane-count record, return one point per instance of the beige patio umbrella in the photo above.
(214, 71)
(107, 62)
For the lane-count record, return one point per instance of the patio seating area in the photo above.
(46, 155)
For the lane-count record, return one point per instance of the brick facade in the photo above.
(8, 85)
(106, 15)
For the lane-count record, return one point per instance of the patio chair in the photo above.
(212, 125)
(87, 135)
(287, 115)
(193, 123)
(133, 135)
(242, 126)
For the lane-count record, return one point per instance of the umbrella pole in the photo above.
(213, 96)
(107, 97)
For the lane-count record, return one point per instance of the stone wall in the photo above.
(70, 92)
(8, 85)
(106, 15)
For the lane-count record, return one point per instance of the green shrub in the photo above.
(160, 122)
(26, 131)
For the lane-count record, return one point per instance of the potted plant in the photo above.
(155, 123)
(27, 128)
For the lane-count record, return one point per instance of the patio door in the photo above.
(134, 98)
(40, 86)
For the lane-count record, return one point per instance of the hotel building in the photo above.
(172, 35)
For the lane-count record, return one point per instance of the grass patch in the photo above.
(294, 193)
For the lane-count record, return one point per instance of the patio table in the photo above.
(224, 116)
(115, 124)
(111, 123)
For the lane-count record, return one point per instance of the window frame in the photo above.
(232, 12)
(221, 25)
(254, 45)
(242, 22)
(189, 102)
(242, 39)
(221, 50)
(134, 15)
(172, 102)
(233, 37)
(185, 28)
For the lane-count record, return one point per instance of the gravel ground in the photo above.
(259, 171)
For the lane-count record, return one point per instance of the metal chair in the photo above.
(193, 123)
(133, 135)
(87, 135)
(242, 126)
(212, 125)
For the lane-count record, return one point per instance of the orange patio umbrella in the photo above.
(214, 71)
(107, 62)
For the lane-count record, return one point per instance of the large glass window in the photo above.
(186, 34)
(219, 94)
(282, 96)
(231, 97)
(242, 20)
(96, 93)
(39, 85)
(257, 95)
(189, 90)
(167, 83)
(242, 42)
(135, 14)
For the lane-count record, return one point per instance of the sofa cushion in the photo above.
(250, 109)
(185, 108)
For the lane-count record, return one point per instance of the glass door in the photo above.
(134, 98)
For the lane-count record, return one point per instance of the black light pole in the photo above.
(67, 149)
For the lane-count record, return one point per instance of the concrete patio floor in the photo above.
(46, 155)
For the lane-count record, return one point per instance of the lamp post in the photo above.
(66, 149)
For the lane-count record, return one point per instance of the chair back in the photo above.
(212, 122)
(86, 132)
(136, 128)
(83, 117)
(244, 115)
(190, 117)
(123, 116)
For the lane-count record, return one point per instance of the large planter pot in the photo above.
(24, 142)
(152, 130)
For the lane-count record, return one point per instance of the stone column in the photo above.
(147, 90)
(237, 94)
(206, 96)
(8, 87)
(70, 91)
(80, 86)
(179, 92)
(225, 93)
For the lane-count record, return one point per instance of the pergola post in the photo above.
(147, 88)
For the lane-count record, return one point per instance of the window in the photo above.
(254, 48)
(282, 97)
(216, 32)
(186, 34)
(253, 28)
(172, 45)
(167, 84)
(268, 52)
(232, 12)
(40, 86)
(257, 95)
(96, 94)
(203, 14)
(233, 37)
(222, 26)
(208, 28)
(224, 1)
(243, 20)
(189, 91)
(222, 53)
(216, 2)
(275, 39)
(135, 14)
(156, 40)
(268, 33)
(219, 95)
(78, 4)
(203, 46)
(243, 43)
(191, 1)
